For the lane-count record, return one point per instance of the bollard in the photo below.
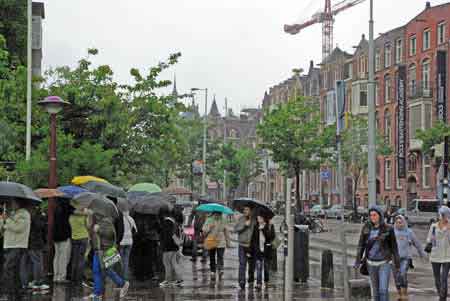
(301, 253)
(327, 269)
(359, 289)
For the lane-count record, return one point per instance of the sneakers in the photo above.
(93, 297)
(242, 286)
(213, 276)
(258, 287)
(42, 287)
(87, 284)
(124, 289)
(179, 283)
(165, 283)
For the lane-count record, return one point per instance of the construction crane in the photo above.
(326, 17)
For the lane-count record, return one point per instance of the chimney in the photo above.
(428, 5)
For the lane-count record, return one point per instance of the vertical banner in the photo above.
(340, 105)
(401, 122)
(441, 86)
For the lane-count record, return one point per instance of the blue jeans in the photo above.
(244, 258)
(125, 252)
(379, 280)
(77, 261)
(401, 276)
(99, 274)
(262, 263)
(440, 273)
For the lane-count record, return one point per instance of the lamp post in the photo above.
(29, 78)
(53, 105)
(204, 137)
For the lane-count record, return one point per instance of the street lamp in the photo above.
(372, 157)
(204, 137)
(53, 105)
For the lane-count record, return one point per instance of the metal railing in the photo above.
(420, 89)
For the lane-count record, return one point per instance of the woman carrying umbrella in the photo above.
(217, 236)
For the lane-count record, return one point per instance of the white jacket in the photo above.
(440, 252)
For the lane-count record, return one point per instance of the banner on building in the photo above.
(401, 122)
(340, 105)
(441, 75)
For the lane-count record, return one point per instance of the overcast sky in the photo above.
(235, 48)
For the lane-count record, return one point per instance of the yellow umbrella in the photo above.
(80, 180)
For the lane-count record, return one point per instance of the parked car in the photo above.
(336, 211)
(422, 211)
(317, 211)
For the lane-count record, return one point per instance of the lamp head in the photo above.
(53, 104)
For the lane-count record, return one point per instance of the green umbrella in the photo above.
(145, 187)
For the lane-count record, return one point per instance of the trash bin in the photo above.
(301, 253)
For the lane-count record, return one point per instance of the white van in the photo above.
(422, 211)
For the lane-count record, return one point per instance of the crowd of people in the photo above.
(384, 249)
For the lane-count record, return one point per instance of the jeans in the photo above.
(99, 275)
(61, 260)
(11, 272)
(212, 259)
(401, 276)
(125, 252)
(379, 280)
(244, 258)
(172, 266)
(77, 260)
(262, 263)
(32, 259)
(440, 273)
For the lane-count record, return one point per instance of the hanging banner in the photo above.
(401, 122)
(441, 102)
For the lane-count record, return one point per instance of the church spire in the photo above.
(214, 112)
(174, 91)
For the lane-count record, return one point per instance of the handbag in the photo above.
(429, 246)
(363, 269)
(211, 242)
(111, 257)
(276, 242)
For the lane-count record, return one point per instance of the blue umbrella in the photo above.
(214, 207)
(71, 190)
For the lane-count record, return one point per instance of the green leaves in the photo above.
(433, 136)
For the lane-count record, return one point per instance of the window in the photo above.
(398, 183)
(387, 127)
(387, 174)
(426, 39)
(362, 66)
(387, 89)
(377, 93)
(412, 45)
(398, 51)
(426, 77)
(441, 33)
(426, 171)
(377, 121)
(377, 61)
(363, 95)
(387, 55)
(412, 80)
(415, 120)
(331, 107)
(412, 163)
(427, 123)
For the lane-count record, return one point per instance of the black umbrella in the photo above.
(258, 206)
(151, 203)
(105, 189)
(12, 190)
(96, 202)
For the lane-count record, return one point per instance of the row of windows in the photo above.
(426, 172)
(426, 39)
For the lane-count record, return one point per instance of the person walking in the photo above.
(406, 239)
(127, 241)
(378, 245)
(34, 255)
(244, 228)
(197, 220)
(217, 239)
(103, 236)
(439, 240)
(261, 246)
(170, 245)
(62, 233)
(15, 225)
(78, 224)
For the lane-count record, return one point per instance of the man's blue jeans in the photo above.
(125, 252)
(99, 275)
(243, 260)
(401, 276)
(379, 280)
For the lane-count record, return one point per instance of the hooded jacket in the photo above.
(440, 238)
(244, 231)
(406, 239)
(385, 237)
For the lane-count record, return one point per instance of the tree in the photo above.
(354, 150)
(13, 26)
(292, 133)
(250, 165)
(433, 136)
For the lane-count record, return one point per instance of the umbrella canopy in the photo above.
(71, 191)
(105, 189)
(47, 193)
(96, 202)
(178, 191)
(123, 204)
(10, 190)
(145, 187)
(260, 207)
(214, 207)
(183, 203)
(80, 180)
(152, 203)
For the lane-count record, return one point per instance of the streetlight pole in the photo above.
(53, 105)
(371, 126)
(225, 142)
(205, 126)
(29, 78)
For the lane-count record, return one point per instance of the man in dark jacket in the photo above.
(62, 234)
(378, 245)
